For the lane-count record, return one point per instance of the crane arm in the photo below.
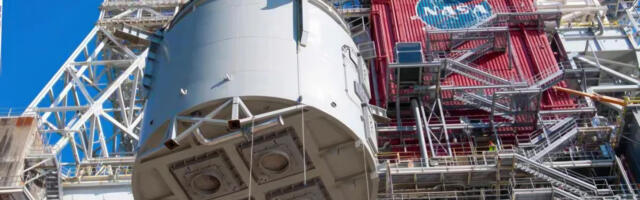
(596, 97)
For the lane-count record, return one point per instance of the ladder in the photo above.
(52, 185)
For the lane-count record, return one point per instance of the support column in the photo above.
(420, 130)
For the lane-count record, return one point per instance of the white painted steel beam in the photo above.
(94, 100)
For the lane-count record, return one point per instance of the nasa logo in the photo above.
(453, 14)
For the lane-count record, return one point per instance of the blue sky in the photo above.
(37, 37)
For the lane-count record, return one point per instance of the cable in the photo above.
(304, 149)
(299, 70)
(251, 158)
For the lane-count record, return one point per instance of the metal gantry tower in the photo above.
(92, 106)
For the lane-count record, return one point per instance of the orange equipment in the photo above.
(596, 97)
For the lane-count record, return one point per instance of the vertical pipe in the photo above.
(420, 129)
(398, 114)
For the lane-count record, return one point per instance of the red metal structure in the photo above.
(520, 52)
(395, 21)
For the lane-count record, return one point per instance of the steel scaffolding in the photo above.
(515, 150)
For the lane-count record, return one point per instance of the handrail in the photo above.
(502, 193)
(74, 171)
(487, 75)
(576, 156)
(545, 148)
(546, 72)
(556, 132)
(551, 170)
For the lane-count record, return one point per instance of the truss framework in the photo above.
(93, 105)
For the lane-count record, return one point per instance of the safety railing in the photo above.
(454, 45)
(480, 74)
(548, 74)
(481, 99)
(506, 191)
(504, 15)
(485, 159)
(73, 171)
(488, 193)
(528, 183)
(600, 183)
(594, 156)
(566, 180)
(530, 139)
(533, 186)
(496, 106)
(623, 191)
(475, 53)
(558, 134)
(550, 174)
(472, 156)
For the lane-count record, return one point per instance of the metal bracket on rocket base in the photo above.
(241, 126)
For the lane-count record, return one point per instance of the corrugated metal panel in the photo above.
(400, 21)
(16, 133)
(532, 59)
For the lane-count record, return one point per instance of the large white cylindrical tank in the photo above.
(243, 92)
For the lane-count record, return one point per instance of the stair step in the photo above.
(552, 181)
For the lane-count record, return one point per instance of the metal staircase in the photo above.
(452, 43)
(52, 185)
(473, 72)
(504, 16)
(539, 136)
(484, 103)
(561, 180)
(562, 123)
(475, 53)
(565, 188)
(466, 57)
(558, 135)
(548, 81)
